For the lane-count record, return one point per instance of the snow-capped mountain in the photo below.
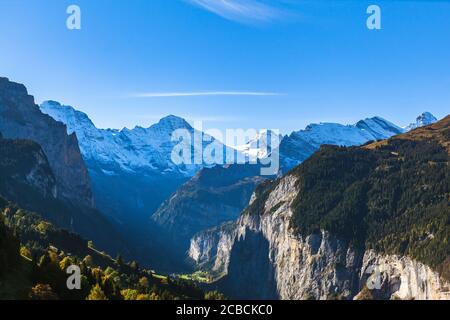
(131, 170)
(424, 119)
(261, 145)
(128, 149)
(299, 145)
(133, 175)
(205, 202)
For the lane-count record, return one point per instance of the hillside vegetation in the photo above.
(34, 257)
(391, 196)
(35, 251)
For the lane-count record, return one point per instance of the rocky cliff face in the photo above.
(213, 196)
(367, 222)
(285, 265)
(23, 165)
(202, 203)
(41, 169)
(132, 170)
(210, 249)
(20, 118)
(26, 179)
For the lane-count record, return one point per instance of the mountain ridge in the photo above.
(132, 149)
(21, 119)
(348, 223)
(178, 214)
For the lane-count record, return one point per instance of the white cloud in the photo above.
(240, 10)
(202, 94)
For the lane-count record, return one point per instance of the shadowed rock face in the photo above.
(261, 257)
(20, 118)
(258, 271)
(26, 179)
(49, 176)
(213, 196)
(24, 167)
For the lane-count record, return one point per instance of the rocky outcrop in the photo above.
(213, 196)
(27, 181)
(210, 249)
(399, 277)
(20, 118)
(23, 165)
(280, 263)
(42, 171)
(424, 119)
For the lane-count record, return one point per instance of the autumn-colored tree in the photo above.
(110, 288)
(154, 296)
(53, 256)
(43, 227)
(65, 263)
(214, 295)
(144, 283)
(25, 252)
(96, 293)
(97, 274)
(130, 294)
(42, 292)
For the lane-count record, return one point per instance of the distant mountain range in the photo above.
(133, 176)
(132, 173)
(347, 199)
(131, 170)
(299, 145)
(130, 150)
(198, 199)
(368, 222)
(424, 119)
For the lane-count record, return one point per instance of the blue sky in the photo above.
(237, 64)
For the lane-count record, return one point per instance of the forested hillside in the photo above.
(391, 196)
(37, 248)
(34, 257)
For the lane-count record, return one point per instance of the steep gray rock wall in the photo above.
(20, 118)
(213, 196)
(23, 165)
(210, 249)
(318, 266)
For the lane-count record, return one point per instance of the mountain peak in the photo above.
(68, 115)
(424, 119)
(378, 127)
(173, 122)
(10, 86)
